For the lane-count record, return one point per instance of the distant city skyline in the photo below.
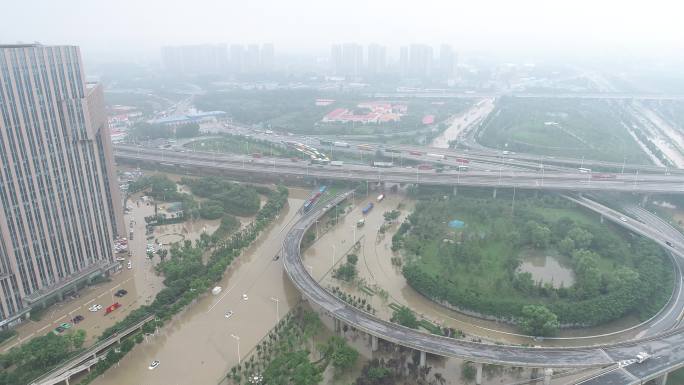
(579, 28)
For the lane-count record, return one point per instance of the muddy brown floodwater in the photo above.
(196, 346)
(548, 268)
(375, 266)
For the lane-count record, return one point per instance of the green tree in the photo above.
(538, 320)
(581, 237)
(566, 246)
(339, 353)
(405, 317)
(540, 235)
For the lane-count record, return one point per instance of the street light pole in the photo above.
(333, 258)
(238, 346)
(277, 311)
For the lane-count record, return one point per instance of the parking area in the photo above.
(139, 281)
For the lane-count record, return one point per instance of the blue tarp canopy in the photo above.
(456, 224)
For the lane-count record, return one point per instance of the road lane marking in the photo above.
(43, 328)
(27, 337)
(89, 301)
(11, 346)
(55, 321)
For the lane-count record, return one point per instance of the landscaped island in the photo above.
(478, 267)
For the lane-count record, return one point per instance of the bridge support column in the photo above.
(494, 194)
(423, 359)
(535, 374)
(455, 190)
(601, 218)
(547, 376)
(374, 343)
(662, 380)
(337, 325)
(67, 381)
(478, 374)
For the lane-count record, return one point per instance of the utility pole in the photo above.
(277, 311)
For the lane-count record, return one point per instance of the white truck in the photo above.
(338, 163)
(436, 156)
(341, 144)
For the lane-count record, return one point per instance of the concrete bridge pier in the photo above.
(535, 374)
(601, 215)
(662, 380)
(494, 194)
(374, 343)
(338, 326)
(478, 374)
(423, 359)
(548, 373)
(455, 190)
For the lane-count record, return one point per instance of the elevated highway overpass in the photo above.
(666, 347)
(556, 181)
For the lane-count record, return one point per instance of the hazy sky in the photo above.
(298, 25)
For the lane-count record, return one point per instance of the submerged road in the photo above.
(667, 347)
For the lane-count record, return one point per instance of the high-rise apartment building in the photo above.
(447, 62)
(267, 57)
(420, 60)
(195, 59)
(252, 58)
(377, 59)
(59, 201)
(347, 59)
(404, 61)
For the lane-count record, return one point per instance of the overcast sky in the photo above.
(120, 26)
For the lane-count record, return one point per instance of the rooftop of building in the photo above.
(21, 45)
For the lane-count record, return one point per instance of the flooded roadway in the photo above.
(375, 266)
(196, 346)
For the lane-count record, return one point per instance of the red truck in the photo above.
(417, 153)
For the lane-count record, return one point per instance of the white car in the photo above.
(95, 308)
(229, 314)
(244, 296)
(623, 219)
(153, 365)
(130, 264)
